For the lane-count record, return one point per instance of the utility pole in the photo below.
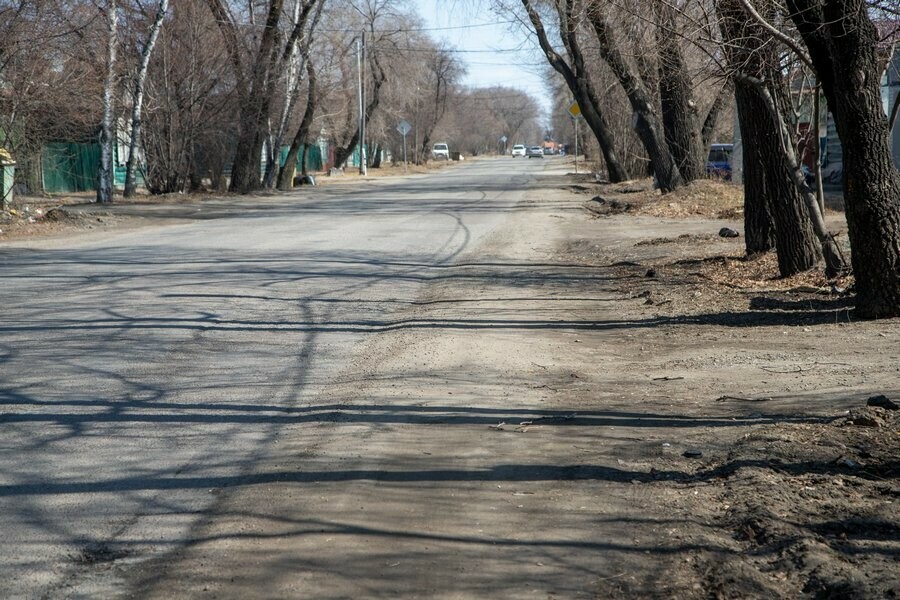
(360, 44)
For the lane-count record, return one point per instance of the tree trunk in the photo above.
(579, 84)
(136, 110)
(759, 226)
(725, 95)
(376, 156)
(679, 111)
(106, 174)
(648, 125)
(795, 240)
(843, 47)
(294, 65)
(246, 173)
(764, 144)
(289, 168)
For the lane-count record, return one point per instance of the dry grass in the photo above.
(703, 198)
(761, 273)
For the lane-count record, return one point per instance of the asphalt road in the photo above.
(143, 373)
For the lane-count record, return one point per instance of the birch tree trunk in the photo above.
(105, 176)
(136, 110)
(291, 91)
(289, 168)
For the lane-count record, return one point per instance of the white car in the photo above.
(440, 152)
(518, 150)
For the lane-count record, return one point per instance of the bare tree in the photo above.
(578, 81)
(443, 71)
(648, 124)
(138, 101)
(190, 104)
(381, 42)
(679, 109)
(843, 47)
(763, 99)
(301, 138)
(294, 63)
(106, 174)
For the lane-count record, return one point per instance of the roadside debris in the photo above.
(882, 402)
(602, 206)
(727, 232)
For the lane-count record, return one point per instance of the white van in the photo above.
(440, 152)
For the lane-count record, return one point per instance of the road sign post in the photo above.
(575, 111)
(403, 128)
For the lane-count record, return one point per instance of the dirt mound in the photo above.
(56, 215)
(813, 509)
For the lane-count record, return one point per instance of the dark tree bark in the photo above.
(679, 111)
(301, 138)
(579, 83)
(648, 126)
(256, 85)
(759, 225)
(725, 95)
(246, 171)
(297, 47)
(761, 132)
(795, 239)
(842, 44)
(376, 155)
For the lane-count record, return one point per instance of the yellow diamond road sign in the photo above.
(575, 110)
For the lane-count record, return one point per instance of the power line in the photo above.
(452, 50)
(397, 30)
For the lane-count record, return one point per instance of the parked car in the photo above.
(535, 152)
(518, 150)
(718, 163)
(440, 152)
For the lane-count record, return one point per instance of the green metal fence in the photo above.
(313, 157)
(70, 167)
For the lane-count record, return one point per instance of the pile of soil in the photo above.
(25, 221)
(812, 509)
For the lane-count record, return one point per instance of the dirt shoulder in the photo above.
(584, 406)
(798, 498)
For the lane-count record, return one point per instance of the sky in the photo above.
(495, 52)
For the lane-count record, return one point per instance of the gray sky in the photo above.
(494, 52)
